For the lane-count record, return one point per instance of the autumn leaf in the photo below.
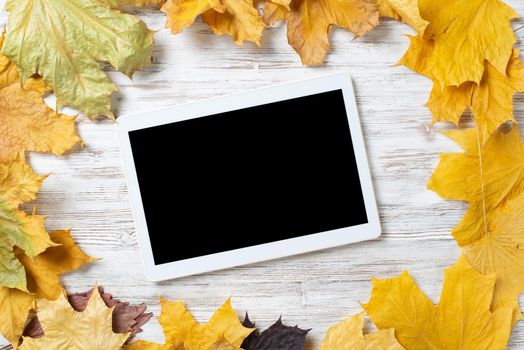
(310, 21)
(223, 331)
(467, 33)
(348, 335)
(277, 336)
(126, 318)
(484, 179)
(19, 184)
(492, 181)
(44, 270)
(490, 101)
(43, 282)
(28, 124)
(500, 252)
(385, 9)
(87, 330)
(119, 4)
(64, 40)
(237, 18)
(462, 320)
(14, 309)
(403, 10)
(275, 11)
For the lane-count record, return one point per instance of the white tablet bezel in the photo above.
(267, 251)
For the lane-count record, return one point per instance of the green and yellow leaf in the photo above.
(64, 40)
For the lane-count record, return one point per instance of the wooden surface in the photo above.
(87, 191)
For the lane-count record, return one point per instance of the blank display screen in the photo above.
(247, 177)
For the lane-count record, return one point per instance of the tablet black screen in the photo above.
(248, 176)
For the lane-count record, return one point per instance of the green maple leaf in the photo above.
(64, 41)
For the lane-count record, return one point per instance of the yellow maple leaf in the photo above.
(18, 184)
(43, 282)
(14, 309)
(275, 11)
(118, 4)
(385, 9)
(466, 33)
(223, 345)
(90, 329)
(238, 18)
(348, 335)
(462, 320)
(403, 10)
(26, 122)
(490, 176)
(500, 252)
(490, 101)
(484, 179)
(183, 332)
(309, 22)
(44, 270)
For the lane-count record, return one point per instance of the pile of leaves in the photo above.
(95, 321)
(467, 51)
(31, 259)
(465, 47)
(99, 322)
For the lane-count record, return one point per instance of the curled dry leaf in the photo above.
(348, 335)
(87, 330)
(275, 11)
(64, 40)
(462, 320)
(385, 9)
(309, 22)
(43, 271)
(490, 101)
(237, 18)
(467, 33)
(403, 10)
(277, 336)
(223, 331)
(126, 318)
(28, 124)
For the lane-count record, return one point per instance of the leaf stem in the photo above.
(482, 183)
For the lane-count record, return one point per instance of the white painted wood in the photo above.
(87, 192)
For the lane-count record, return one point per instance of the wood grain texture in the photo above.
(87, 191)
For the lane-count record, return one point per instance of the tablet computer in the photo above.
(243, 178)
